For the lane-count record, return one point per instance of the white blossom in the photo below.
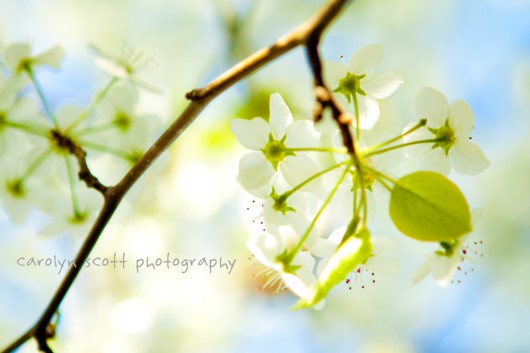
(450, 127)
(351, 82)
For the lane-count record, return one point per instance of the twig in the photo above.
(199, 99)
(73, 148)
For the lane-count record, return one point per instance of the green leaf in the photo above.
(354, 251)
(429, 207)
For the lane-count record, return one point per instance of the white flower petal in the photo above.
(272, 216)
(337, 235)
(280, 115)
(301, 133)
(382, 86)
(365, 59)
(368, 112)
(433, 106)
(384, 245)
(254, 171)
(423, 270)
(468, 158)
(383, 265)
(334, 72)
(253, 134)
(288, 236)
(111, 67)
(297, 169)
(296, 285)
(14, 53)
(300, 224)
(265, 247)
(261, 192)
(385, 162)
(443, 269)
(437, 161)
(461, 119)
(8, 90)
(323, 248)
(66, 114)
(51, 57)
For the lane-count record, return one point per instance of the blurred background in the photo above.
(191, 206)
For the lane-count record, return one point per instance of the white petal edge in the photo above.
(468, 158)
(297, 169)
(368, 112)
(254, 171)
(365, 59)
(280, 115)
(437, 161)
(301, 133)
(422, 271)
(252, 134)
(382, 86)
(383, 265)
(265, 247)
(461, 119)
(14, 53)
(51, 57)
(433, 106)
(334, 72)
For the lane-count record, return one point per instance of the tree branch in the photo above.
(77, 151)
(304, 34)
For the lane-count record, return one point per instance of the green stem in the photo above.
(95, 129)
(36, 163)
(357, 117)
(296, 249)
(40, 93)
(384, 176)
(33, 130)
(421, 123)
(382, 181)
(318, 149)
(71, 182)
(313, 177)
(85, 113)
(372, 153)
(106, 149)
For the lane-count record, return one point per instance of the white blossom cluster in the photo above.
(37, 166)
(283, 171)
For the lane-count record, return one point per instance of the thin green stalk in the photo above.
(71, 182)
(382, 181)
(421, 123)
(360, 176)
(297, 248)
(384, 176)
(33, 130)
(318, 149)
(90, 108)
(36, 163)
(40, 93)
(106, 149)
(95, 129)
(373, 153)
(357, 117)
(313, 177)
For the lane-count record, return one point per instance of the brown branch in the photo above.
(199, 99)
(324, 98)
(66, 143)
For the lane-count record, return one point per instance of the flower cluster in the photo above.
(298, 172)
(38, 165)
